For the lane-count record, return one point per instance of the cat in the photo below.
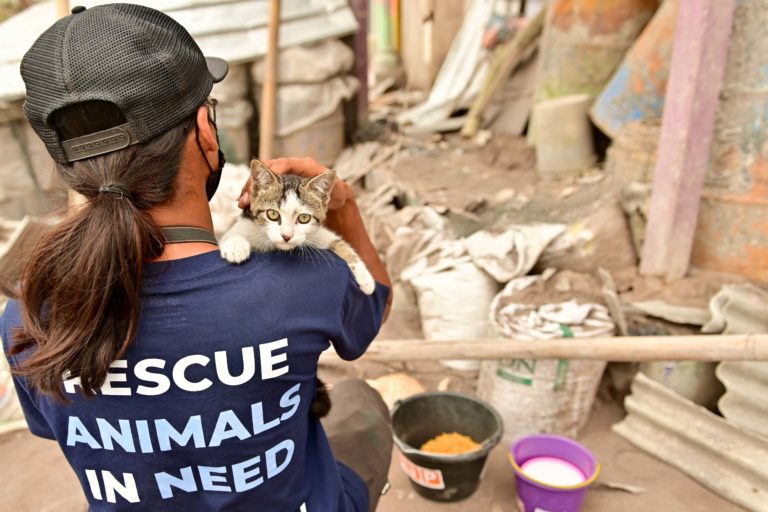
(286, 213)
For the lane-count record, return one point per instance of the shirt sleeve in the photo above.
(37, 423)
(360, 319)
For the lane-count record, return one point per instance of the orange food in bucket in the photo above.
(450, 443)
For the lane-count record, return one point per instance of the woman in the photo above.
(171, 379)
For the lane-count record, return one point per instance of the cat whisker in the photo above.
(304, 252)
(322, 253)
(312, 251)
(287, 205)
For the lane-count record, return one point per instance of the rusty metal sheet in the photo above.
(584, 41)
(732, 233)
(637, 90)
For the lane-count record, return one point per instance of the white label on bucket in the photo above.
(537, 509)
(425, 477)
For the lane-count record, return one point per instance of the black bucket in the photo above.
(422, 417)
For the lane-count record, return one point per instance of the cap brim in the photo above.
(217, 67)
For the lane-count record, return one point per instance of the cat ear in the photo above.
(322, 184)
(262, 176)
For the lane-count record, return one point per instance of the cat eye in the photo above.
(273, 215)
(304, 218)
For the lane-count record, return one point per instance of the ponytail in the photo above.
(80, 290)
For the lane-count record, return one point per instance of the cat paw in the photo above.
(235, 249)
(364, 278)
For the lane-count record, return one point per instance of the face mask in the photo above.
(212, 182)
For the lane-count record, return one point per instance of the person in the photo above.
(171, 379)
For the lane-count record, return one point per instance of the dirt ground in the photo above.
(666, 489)
(36, 478)
(491, 186)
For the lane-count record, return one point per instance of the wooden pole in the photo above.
(696, 74)
(360, 8)
(73, 198)
(269, 90)
(733, 347)
(505, 59)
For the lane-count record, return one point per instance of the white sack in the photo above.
(514, 252)
(309, 63)
(301, 105)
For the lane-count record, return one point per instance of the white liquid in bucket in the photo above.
(553, 471)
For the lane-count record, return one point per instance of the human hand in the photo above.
(306, 168)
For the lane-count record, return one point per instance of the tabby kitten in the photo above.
(286, 213)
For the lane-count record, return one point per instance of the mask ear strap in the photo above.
(200, 147)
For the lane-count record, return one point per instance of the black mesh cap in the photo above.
(135, 57)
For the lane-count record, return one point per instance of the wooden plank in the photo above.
(696, 75)
(360, 8)
(269, 92)
(462, 73)
(510, 108)
(505, 59)
(734, 347)
(62, 8)
(428, 28)
(74, 199)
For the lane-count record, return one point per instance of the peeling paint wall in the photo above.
(732, 233)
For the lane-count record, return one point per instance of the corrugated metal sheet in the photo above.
(740, 309)
(235, 30)
(709, 449)
(746, 401)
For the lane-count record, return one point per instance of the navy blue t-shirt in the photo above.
(209, 408)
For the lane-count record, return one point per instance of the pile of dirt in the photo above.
(694, 290)
(563, 286)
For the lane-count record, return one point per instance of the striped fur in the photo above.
(291, 197)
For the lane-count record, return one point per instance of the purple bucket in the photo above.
(536, 496)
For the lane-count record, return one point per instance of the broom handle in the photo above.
(733, 347)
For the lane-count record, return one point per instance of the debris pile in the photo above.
(509, 174)
(553, 247)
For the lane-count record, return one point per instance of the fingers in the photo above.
(340, 194)
(244, 201)
(306, 167)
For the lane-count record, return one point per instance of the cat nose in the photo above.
(286, 237)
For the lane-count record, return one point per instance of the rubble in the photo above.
(520, 216)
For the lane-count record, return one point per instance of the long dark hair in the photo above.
(80, 290)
